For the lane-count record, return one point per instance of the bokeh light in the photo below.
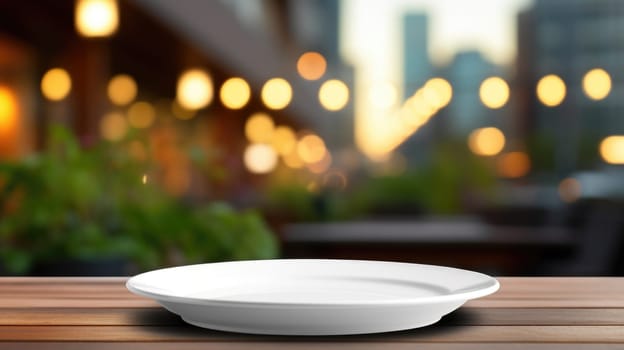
(259, 128)
(292, 160)
(570, 189)
(551, 90)
(141, 115)
(113, 126)
(260, 158)
(334, 95)
(56, 84)
(122, 89)
(494, 92)
(322, 165)
(284, 140)
(486, 141)
(311, 149)
(194, 90)
(383, 95)
(235, 93)
(8, 110)
(96, 18)
(597, 84)
(612, 149)
(438, 92)
(513, 165)
(311, 65)
(276, 93)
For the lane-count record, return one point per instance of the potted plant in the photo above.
(77, 211)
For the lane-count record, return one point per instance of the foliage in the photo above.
(70, 203)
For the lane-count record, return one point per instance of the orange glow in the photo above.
(292, 160)
(122, 89)
(141, 115)
(551, 90)
(311, 65)
(56, 84)
(194, 89)
(494, 92)
(438, 92)
(334, 95)
(514, 165)
(311, 149)
(569, 189)
(276, 93)
(8, 111)
(259, 128)
(486, 141)
(96, 18)
(284, 140)
(612, 149)
(113, 127)
(597, 84)
(235, 93)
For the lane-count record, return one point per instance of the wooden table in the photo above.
(98, 313)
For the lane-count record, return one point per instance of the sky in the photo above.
(371, 31)
(371, 39)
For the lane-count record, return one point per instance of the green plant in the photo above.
(70, 203)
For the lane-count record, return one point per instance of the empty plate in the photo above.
(311, 297)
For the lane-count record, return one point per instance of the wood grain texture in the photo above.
(527, 313)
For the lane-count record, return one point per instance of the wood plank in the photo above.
(159, 316)
(111, 292)
(446, 334)
(300, 345)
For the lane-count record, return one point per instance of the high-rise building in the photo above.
(417, 67)
(568, 38)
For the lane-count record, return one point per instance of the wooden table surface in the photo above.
(99, 313)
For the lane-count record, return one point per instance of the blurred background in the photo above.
(137, 134)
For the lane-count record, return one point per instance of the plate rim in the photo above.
(489, 286)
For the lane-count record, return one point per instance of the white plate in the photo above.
(311, 297)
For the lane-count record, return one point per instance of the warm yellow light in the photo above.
(113, 126)
(416, 111)
(8, 110)
(322, 165)
(334, 95)
(612, 149)
(276, 93)
(551, 90)
(514, 165)
(284, 140)
(292, 160)
(569, 189)
(494, 92)
(96, 18)
(141, 115)
(56, 84)
(260, 158)
(383, 95)
(181, 112)
(194, 90)
(259, 128)
(122, 89)
(235, 93)
(311, 148)
(486, 141)
(597, 84)
(311, 65)
(438, 92)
